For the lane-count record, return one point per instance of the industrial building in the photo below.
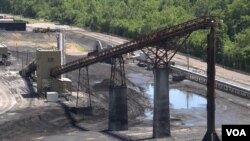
(10, 24)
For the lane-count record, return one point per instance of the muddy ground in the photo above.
(26, 116)
(40, 120)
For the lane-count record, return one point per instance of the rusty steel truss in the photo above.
(163, 52)
(83, 85)
(163, 45)
(117, 78)
(153, 39)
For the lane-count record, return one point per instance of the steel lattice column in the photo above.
(118, 111)
(85, 84)
(117, 78)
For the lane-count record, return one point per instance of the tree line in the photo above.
(133, 18)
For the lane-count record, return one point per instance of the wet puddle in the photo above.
(179, 100)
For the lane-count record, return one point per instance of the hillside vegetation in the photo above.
(132, 18)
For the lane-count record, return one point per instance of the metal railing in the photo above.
(219, 84)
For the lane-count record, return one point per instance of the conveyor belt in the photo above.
(149, 40)
(28, 70)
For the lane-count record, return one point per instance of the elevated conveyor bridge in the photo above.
(29, 69)
(155, 38)
(159, 43)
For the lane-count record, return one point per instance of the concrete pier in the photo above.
(118, 111)
(161, 119)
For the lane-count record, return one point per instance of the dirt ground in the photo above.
(25, 116)
(32, 118)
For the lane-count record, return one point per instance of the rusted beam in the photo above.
(149, 40)
(211, 134)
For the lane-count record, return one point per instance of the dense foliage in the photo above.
(131, 18)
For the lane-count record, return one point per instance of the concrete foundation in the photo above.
(118, 111)
(161, 119)
(52, 96)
